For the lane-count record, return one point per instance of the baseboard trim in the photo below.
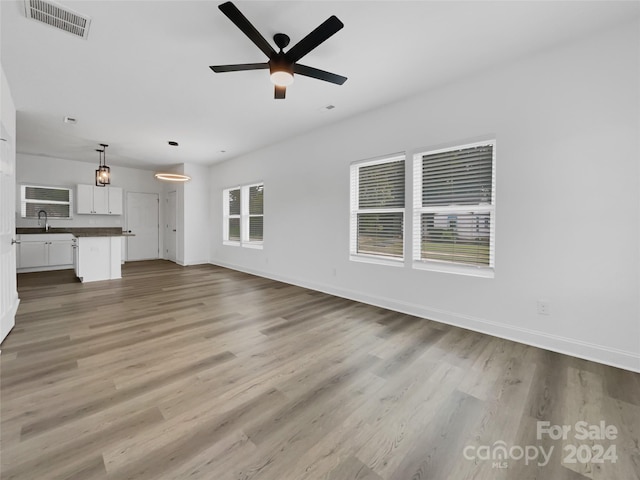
(44, 269)
(567, 346)
(196, 262)
(9, 318)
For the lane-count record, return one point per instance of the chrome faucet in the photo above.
(46, 222)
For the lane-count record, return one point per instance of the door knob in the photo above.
(14, 241)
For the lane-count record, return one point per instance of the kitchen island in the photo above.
(97, 252)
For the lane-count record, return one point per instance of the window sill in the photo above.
(395, 262)
(255, 246)
(455, 269)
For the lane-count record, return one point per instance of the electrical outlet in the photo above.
(544, 308)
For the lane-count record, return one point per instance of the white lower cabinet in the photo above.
(98, 258)
(45, 252)
(61, 252)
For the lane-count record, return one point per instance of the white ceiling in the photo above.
(142, 77)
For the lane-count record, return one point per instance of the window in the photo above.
(453, 211)
(377, 210)
(56, 201)
(254, 215)
(232, 210)
(243, 215)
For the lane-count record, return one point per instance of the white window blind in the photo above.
(377, 208)
(56, 201)
(253, 214)
(231, 205)
(243, 215)
(454, 206)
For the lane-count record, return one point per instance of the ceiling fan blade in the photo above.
(239, 67)
(236, 16)
(319, 74)
(315, 38)
(279, 92)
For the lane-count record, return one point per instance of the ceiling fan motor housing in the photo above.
(281, 40)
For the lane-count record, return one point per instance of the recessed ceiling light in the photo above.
(69, 120)
(172, 143)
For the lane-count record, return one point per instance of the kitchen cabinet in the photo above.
(94, 200)
(45, 252)
(98, 258)
(115, 200)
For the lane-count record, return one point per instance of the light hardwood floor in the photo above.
(207, 373)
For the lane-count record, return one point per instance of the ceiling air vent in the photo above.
(58, 16)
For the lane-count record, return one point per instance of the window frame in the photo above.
(245, 233)
(24, 201)
(355, 210)
(447, 266)
(227, 216)
(243, 217)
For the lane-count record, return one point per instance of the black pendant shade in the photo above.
(103, 173)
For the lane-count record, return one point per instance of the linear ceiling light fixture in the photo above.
(103, 173)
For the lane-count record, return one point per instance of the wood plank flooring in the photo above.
(206, 373)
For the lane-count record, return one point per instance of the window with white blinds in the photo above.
(377, 209)
(243, 215)
(454, 205)
(231, 201)
(56, 201)
(254, 215)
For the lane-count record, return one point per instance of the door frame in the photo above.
(9, 300)
(168, 213)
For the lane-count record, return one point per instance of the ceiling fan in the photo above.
(282, 65)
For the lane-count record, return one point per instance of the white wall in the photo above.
(7, 107)
(194, 221)
(59, 172)
(568, 206)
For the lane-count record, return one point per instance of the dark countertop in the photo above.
(76, 231)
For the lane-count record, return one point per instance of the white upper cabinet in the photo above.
(99, 200)
(84, 202)
(115, 200)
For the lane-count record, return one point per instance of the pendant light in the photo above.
(171, 176)
(103, 173)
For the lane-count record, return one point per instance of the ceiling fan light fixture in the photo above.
(282, 65)
(172, 177)
(281, 78)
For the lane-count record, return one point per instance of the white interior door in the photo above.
(170, 229)
(8, 289)
(143, 223)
